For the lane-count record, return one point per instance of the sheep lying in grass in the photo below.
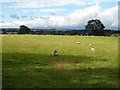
(55, 53)
(77, 42)
(12, 35)
(93, 49)
(90, 45)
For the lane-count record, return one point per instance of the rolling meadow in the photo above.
(27, 61)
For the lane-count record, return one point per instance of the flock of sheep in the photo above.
(90, 45)
(55, 53)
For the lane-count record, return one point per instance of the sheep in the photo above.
(12, 35)
(93, 49)
(55, 53)
(90, 45)
(77, 42)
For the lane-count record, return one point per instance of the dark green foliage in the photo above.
(24, 30)
(105, 32)
(3, 31)
(78, 32)
(95, 27)
(108, 32)
(37, 32)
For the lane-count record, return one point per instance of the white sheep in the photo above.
(12, 35)
(90, 45)
(93, 49)
(77, 42)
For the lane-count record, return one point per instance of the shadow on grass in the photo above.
(22, 70)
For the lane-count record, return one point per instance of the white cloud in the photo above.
(25, 11)
(44, 3)
(110, 17)
(49, 3)
(52, 10)
(23, 16)
(76, 19)
(34, 10)
(1, 16)
(7, 1)
(14, 16)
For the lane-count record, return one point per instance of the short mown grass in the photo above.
(28, 63)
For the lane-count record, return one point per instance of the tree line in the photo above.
(93, 27)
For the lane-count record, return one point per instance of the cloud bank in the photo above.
(41, 3)
(75, 20)
(52, 10)
(14, 16)
(7, 1)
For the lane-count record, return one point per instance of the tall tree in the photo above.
(95, 27)
(24, 30)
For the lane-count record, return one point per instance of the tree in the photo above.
(95, 27)
(24, 30)
(4, 31)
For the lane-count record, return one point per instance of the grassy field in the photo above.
(28, 63)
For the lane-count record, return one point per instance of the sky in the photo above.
(58, 14)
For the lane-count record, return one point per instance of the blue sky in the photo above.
(60, 14)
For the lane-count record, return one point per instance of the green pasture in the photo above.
(27, 61)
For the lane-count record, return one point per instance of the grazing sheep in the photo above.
(12, 35)
(77, 42)
(55, 53)
(90, 45)
(93, 49)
